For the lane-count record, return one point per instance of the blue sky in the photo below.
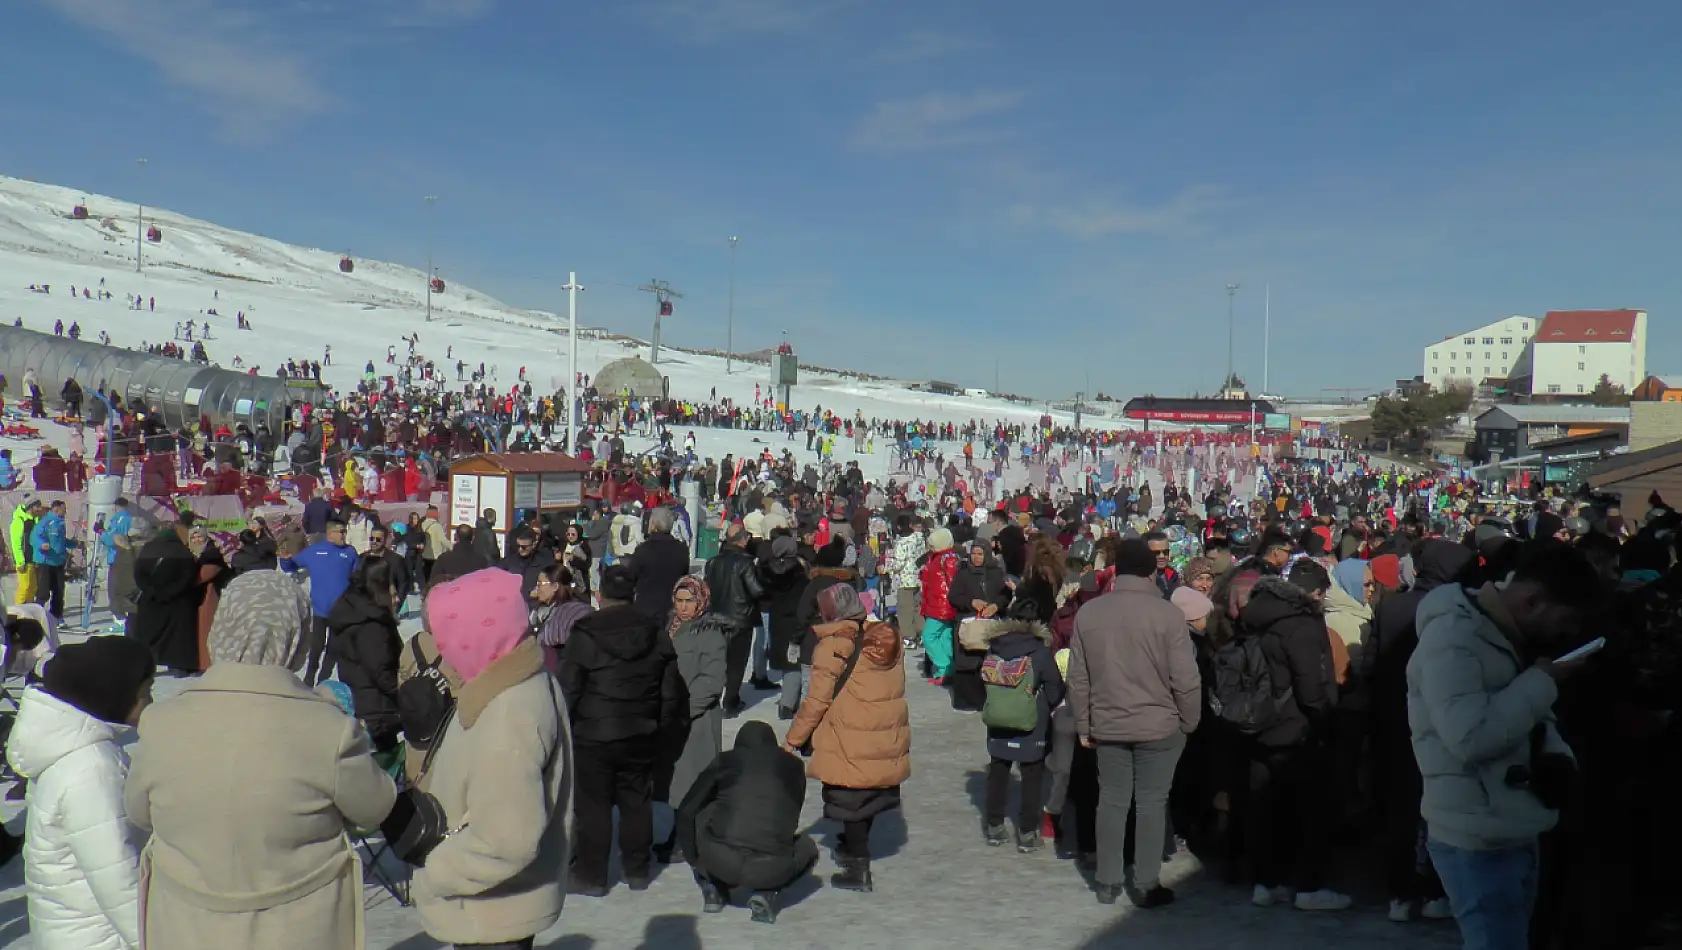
(920, 188)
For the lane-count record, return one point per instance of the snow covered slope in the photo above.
(299, 304)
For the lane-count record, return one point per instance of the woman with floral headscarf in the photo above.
(247, 781)
(697, 741)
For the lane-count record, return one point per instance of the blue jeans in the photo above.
(1492, 893)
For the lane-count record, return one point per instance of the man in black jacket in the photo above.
(460, 560)
(740, 824)
(733, 578)
(620, 677)
(659, 562)
(1291, 760)
(527, 560)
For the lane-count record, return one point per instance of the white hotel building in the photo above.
(1491, 351)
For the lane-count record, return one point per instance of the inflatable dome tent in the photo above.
(633, 373)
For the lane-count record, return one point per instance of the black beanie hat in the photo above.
(1134, 558)
(101, 676)
(618, 583)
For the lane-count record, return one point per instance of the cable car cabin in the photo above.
(154, 235)
(80, 212)
(346, 265)
(437, 285)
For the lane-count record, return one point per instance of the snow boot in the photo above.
(764, 907)
(713, 897)
(853, 876)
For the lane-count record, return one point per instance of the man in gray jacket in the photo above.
(1136, 693)
(1481, 689)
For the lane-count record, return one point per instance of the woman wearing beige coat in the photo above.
(247, 781)
(502, 770)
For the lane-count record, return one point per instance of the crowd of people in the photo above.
(1369, 663)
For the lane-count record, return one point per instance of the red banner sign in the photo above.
(1218, 417)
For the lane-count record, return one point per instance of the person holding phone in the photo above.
(1481, 688)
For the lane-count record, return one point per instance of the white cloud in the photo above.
(212, 51)
(718, 21)
(934, 121)
(1098, 218)
(921, 46)
(433, 13)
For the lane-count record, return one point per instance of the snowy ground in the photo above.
(937, 886)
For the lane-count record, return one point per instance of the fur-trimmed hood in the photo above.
(1004, 627)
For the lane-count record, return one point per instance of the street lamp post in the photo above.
(572, 288)
(139, 226)
(1231, 292)
(730, 320)
(431, 200)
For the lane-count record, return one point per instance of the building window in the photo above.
(1435, 355)
(1503, 355)
(1486, 354)
(1470, 339)
(1486, 372)
(1451, 371)
(1580, 351)
(1579, 367)
(1579, 387)
(1553, 388)
(1488, 341)
(1506, 341)
(1524, 325)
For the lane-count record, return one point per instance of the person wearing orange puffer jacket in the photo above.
(939, 619)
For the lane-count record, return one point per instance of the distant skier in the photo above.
(327, 356)
(152, 304)
(58, 328)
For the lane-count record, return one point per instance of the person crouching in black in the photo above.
(739, 825)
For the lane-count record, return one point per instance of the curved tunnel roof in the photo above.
(179, 391)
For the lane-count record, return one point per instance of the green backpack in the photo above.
(1012, 703)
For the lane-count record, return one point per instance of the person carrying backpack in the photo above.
(1289, 730)
(1135, 689)
(1023, 687)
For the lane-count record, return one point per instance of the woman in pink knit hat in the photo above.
(502, 770)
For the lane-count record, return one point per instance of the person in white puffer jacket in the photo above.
(81, 856)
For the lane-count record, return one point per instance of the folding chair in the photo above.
(392, 875)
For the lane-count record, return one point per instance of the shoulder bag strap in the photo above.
(847, 670)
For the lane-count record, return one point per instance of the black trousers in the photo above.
(855, 838)
(1028, 810)
(738, 649)
(49, 579)
(619, 773)
(1290, 817)
(1083, 798)
(319, 665)
(1400, 787)
(525, 944)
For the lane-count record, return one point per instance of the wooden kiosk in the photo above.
(518, 486)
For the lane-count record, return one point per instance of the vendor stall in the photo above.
(518, 486)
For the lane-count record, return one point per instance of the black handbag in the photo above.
(417, 823)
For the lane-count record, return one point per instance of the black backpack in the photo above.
(425, 700)
(1242, 693)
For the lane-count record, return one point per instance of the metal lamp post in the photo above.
(431, 200)
(139, 226)
(730, 320)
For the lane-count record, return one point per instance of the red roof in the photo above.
(1587, 326)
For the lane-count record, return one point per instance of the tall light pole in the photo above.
(431, 200)
(139, 225)
(730, 321)
(572, 287)
(1231, 292)
(1267, 334)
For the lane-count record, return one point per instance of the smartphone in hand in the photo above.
(1586, 650)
